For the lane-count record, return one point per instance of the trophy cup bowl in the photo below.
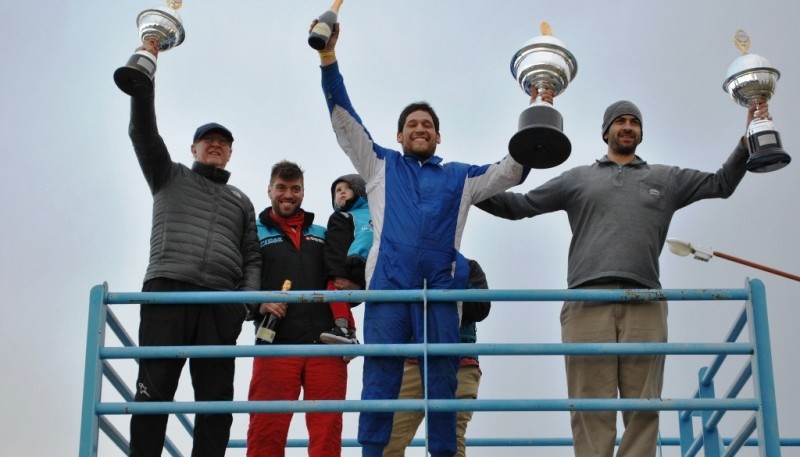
(543, 62)
(750, 78)
(162, 24)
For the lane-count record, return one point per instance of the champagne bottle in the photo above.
(321, 33)
(269, 325)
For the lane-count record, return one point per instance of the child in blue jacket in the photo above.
(347, 244)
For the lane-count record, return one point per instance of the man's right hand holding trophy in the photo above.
(751, 82)
(543, 67)
(159, 29)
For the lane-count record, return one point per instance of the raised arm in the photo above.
(351, 134)
(327, 55)
(150, 149)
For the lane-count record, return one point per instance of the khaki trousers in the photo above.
(639, 376)
(405, 423)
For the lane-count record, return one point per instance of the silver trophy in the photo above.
(162, 24)
(751, 78)
(545, 63)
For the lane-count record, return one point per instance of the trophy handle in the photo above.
(541, 86)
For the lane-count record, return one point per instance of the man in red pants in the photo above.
(292, 248)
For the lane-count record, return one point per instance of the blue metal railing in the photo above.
(704, 403)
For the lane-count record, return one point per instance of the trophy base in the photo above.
(540, 143)
(766, 152)
(136, 78)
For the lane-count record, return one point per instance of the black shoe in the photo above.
(338, 335)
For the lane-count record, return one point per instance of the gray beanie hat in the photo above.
(616, 110)
(356, 183)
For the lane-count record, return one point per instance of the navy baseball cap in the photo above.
(211, 127)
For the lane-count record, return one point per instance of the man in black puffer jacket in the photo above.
(203, 238)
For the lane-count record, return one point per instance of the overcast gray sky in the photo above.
(78, 209)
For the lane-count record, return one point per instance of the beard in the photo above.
(424, 151)
(621, 149)
(280, 211)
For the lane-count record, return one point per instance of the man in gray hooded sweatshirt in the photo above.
(619, 210)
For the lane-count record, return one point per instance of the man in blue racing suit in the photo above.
(418, 206)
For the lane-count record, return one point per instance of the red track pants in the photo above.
(281, 378)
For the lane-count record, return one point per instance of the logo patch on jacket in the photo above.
(271, 240)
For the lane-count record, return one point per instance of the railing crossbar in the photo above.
(408, 350)
(509, 442)
(432, 295)
(572, 404)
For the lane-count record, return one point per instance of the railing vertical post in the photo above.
(712, 443)
(763, 380)
(425, 364)
(686, 430)
(93, 373)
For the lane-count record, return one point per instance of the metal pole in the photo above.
(756, 265)
(763, 380)
(93, 372)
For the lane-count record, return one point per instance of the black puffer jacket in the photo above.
(203, 228)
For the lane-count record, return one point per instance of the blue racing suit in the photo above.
(418, 208)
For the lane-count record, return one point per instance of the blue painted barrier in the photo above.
(703, 403)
